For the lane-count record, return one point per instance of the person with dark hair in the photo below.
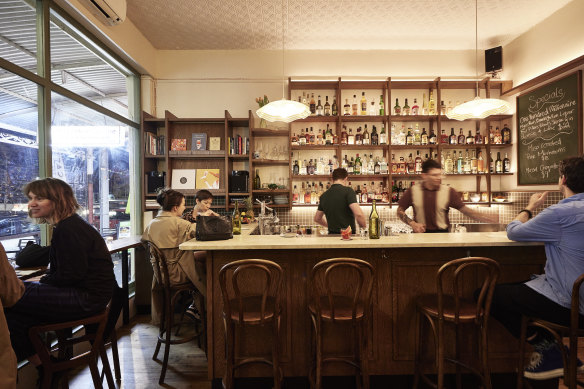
(203, 201)
(547, 296)
(80, 280)
(338, 206)
(167, 231)
(432, 201)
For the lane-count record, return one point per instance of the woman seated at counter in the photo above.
(80, 279)
(167, 231)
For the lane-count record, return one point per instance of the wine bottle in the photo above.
(374, 222)
(236, 220)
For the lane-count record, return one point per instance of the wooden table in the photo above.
(26, 273)
(123, 245)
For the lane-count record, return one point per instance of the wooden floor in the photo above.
(189, 367)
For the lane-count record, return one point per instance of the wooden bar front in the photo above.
(402, 273)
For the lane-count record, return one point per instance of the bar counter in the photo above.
(405, 267)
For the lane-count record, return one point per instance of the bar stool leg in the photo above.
(417, 349)
(276, 353)
(318, 334)
(440, 354)
(229, 353)
(356, 356)
(457, 347)
(364, 355)
(485, 356)
(522, 340)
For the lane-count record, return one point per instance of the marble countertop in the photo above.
(271, 242)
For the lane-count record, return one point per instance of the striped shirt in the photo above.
(431, 206)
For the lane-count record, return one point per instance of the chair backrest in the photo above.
(265, 285)
(575, 307)
(351, 278)
(485, 267)
(160, 267)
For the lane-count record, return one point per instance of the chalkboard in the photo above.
(548, 129)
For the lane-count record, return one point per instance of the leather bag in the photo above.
(33, 255)
(213, 228)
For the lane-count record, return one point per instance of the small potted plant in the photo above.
(249, 213)
(261, 102)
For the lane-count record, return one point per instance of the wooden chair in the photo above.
(64, 362)
(341, 292)
(442, 308)
(171, 294)
(573, 331)
(254, 303)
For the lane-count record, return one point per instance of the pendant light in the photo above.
(283, 110)
(478, 108)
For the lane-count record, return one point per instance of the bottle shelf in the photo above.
(192, 192)
(263, 132)
(270, 191)
(318, 119)
(413, 118)
(313, 147)
(153, 156)
(363, 147)
(198, 156)
(501, 146)
(366, 176)
(414, 147)
(234, 194)
(363, 118)
(462, 146)
(407, 175)
(311, 176)
(239, 156)
(270, 162)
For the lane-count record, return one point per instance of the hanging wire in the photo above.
(477, 45)
(283, 47)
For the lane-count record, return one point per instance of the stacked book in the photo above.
(238, 145)
(154, 144)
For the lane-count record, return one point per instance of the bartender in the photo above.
(338, 206)
(432, 201)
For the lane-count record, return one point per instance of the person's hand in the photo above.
(491, 218)
(536, 200)
(417, 227)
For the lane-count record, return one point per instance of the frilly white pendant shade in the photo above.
(478, 109)
(283, 111)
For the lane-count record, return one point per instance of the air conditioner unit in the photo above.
(110, 12)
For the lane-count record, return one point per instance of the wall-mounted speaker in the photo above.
(494, 59)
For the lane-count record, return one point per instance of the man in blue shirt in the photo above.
(547, 296)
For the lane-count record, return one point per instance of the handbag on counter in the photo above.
(33, 255)
(213, 228)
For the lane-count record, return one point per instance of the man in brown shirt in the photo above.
(432, 201)
(11, 289)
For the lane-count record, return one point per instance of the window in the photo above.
(18, 35)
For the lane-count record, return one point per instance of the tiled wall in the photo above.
(303, 215)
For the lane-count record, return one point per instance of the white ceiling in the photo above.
(335, 24)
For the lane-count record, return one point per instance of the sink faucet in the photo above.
(266, 222)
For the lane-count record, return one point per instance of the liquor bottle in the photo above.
(497, 138)
(346, 108)
(415, 107)
(364, 165)
(312, 137)
(295, 195)
(358, 193)
(442, 108)
(394, 165)
(470, 139)
(478, 137)
(373, 223)
(366, 136)
(295, 169)
(443, 137)
(396, 108)
(363, 104)
(409, 137)
(372, 110)
(480, 163)
(327, 107)
(350, 137)
(424, 137)
(431, 105)
(491, 163)
(506, 164)
(452, 138)
(466, 163)
(406, 110)
(394, 193)
(301, 138)
(354, 106)
(432, 139)
(320, 139)
(448, 164)
(460, 163)
(382, 136)
(257, 182)
(411, 165)
(461, 138)
(344, 138)
(381, 106)
(312, 105)
(307, 194)
(374, 136)
(293, 142)
(401, 166)
(383, 168)
(506, 134)
(358, 136)
(305, 100)
(417, 135)
(236, 220)
(345, 163)
(424, 105)
(358, 165)
(473, 163)
(384, 195)
(491, 136)
(377, 167)
(319, 108)
(335, 107)
(401, 138)
(329, 135)
(363, 198)
(418, 163)
(498, 163)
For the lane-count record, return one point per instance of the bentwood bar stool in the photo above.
(441, 308)
(251, 290)
(341, 294)
(573, 331)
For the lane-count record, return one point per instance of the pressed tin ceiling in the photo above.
(335, 24)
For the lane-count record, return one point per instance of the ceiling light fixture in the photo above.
(478, 108)
(283, 110)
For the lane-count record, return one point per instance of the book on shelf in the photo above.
(238, 145)
(207, 179)
(154, 144)
(178, 144)
(214, 143)
(199, 142)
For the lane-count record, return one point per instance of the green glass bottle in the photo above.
(236, 220)
(374, 223)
